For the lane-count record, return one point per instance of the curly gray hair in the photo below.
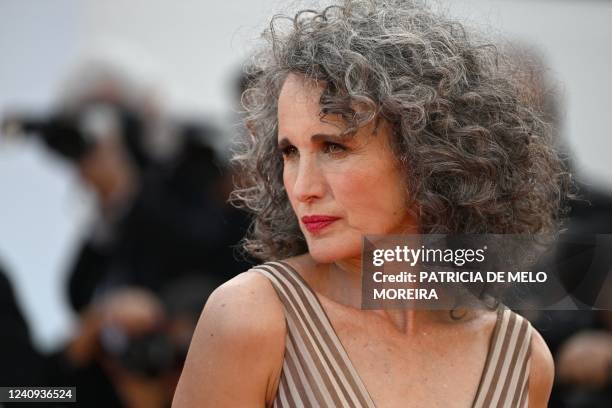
(479, 158)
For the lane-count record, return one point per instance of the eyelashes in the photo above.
(334, 148)
(288, 151)
(330, 148)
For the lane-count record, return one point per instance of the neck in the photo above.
(341, 282)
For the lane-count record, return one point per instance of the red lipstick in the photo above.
(315, 223)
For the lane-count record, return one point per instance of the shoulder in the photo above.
(541, 373)
(246, 305)
(239, 342)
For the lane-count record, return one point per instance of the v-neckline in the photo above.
(352, 367)
(342, 349)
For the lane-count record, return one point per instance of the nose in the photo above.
(309, 182)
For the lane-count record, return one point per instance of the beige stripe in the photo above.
(311, 363)
(283, 394)
(331, 356)
(333, 336)
(500, 358)
(290, 397)
(507, 354)
(493, 357)
(525, 388)
(490, 346)
(313, 371)
(293, 392)
(326, 364)
(349, 373)
(524, 373)
(309, 356)
(301, 375)
(510, 380)
(518, 357)
(332, 343)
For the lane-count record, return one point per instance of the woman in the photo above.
(375, 117)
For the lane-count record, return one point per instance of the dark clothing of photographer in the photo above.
(162, 215)
(590, 214)
(23, 365)
(177, 224)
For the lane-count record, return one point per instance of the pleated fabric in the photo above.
(317, 371)
(505, 378)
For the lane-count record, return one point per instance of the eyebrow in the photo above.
(283, 143)
(318, 137)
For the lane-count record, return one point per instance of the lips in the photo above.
(316, 223)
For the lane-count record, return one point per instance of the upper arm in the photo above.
(237, 347)
(542, 372)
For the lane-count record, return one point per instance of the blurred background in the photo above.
(148, 93)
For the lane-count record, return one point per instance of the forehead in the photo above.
(298, 89)
(299, 107)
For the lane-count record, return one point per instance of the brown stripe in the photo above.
(515, 385)
(288, 393)
(488, 359)
(298, 372)
(282, 394)
(499, 359)
(301, 287)
(525, 394)
(313, 343)
(294, 382)
(304, 354)
(299, 322)
(334, 358)
(524, 375)
(309, 375)
(515, 354)
(345, 364)
(505, 360)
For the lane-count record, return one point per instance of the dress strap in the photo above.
(317, 371)
(504, 381)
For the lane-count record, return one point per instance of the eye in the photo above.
(289, 152)
(334, 148)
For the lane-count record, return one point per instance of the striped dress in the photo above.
(317, 371)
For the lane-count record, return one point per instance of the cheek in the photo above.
(288, 181)
(358, 192)
(370, 198)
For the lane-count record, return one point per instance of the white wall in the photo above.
(40, 208)
(576, 37)
(190, 49)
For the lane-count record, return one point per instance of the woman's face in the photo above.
(340, 188)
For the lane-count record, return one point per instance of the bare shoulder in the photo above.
(542, 372)
(238, 344)
(246, 304)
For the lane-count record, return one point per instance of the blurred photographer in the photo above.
(143, 339)
(159, 186)
(162, 220)
(128, 350)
